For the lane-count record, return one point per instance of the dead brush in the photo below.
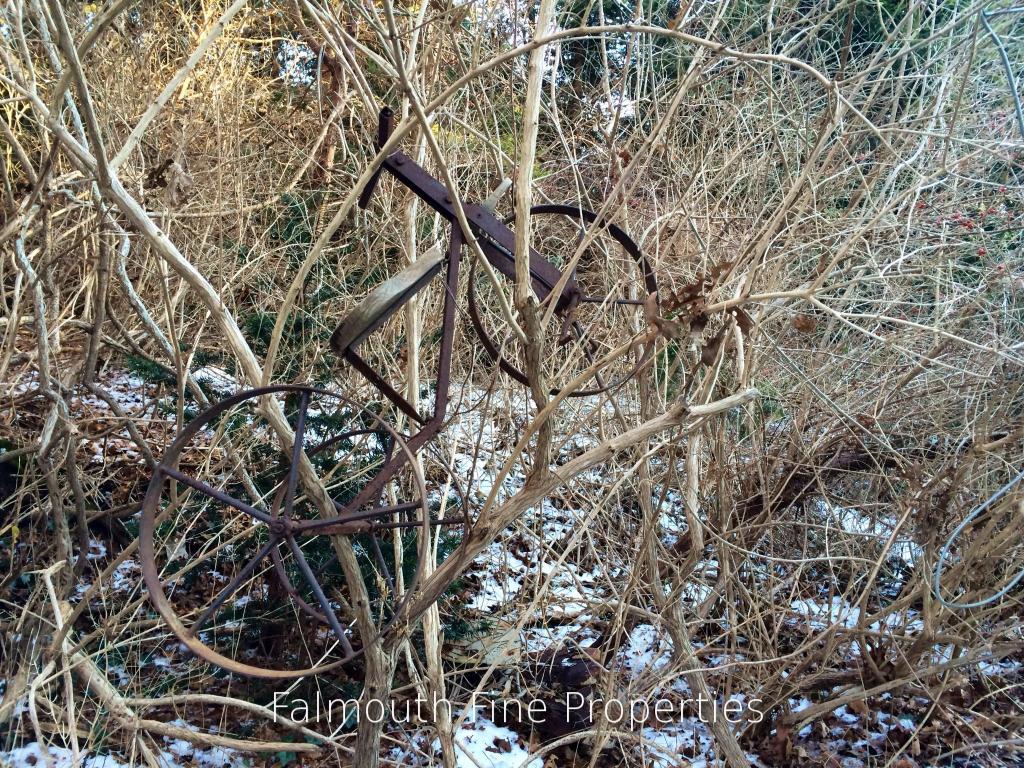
(831, 196)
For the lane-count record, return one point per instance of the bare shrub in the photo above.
(830, 198)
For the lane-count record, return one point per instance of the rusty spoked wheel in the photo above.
(614, 279)
(238, 550)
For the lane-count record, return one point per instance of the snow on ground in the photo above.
(179, 754)
(1004, 668)
(822, 614)
(663, 748)
(125, 578)
(673, 514)
(482, 744)
(542, 638)
(646, 650)
(31, 756)
(216, 379)
(858, 522)
(507, 576)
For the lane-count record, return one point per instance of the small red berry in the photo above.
(982, 251)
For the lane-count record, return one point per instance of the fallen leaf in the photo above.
(805, 323)
(501, 746)
(858, 707)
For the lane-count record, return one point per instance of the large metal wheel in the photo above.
(238, 550)
(614, 279)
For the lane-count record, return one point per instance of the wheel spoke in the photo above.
(300, 438)
(233, 585)
(416, 523)
(214, 493)
(603, 299)
(325, 604)
(379, 557)
(323, 526)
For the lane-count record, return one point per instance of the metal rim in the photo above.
(166, 470)
(631, 248)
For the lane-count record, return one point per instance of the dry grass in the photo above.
(831, 195)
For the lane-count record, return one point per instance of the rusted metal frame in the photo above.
(349, 522)
(281, 529)
(569, 324)
(354, 359)
(617, 232)
(500, 251)
(297, 444)
(429, 426)
(321, 597)
(496, 240)
(385, 125)
(213, 493)
(497, 243)
(444, 368)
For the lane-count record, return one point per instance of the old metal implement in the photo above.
(236, 546)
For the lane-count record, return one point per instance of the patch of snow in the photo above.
(664, 747)
(822, 615)
(860, 523)
(799, 705)
(161, 662)
(537, 639)
(97, 549)
(646, 650)
(501, 578)
(215, 378)
(846, 716)
(31, 756)
(296, 63)
(1003, 668)
(482, 744)
(494, 593)
(180, 753)
(126, 576)
(120, 674)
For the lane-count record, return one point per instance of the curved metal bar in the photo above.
(632, 249)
